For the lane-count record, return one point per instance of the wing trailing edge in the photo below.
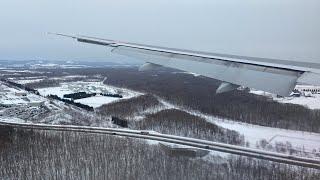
(264, 74)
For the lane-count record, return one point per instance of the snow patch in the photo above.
(12, 120)
(97, 101)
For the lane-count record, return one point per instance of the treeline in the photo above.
(35, 154)
(111, 95)
(129, 107)
(21, 86)
(79, 95)
(44, 83)
(176, 122)
(83, 106)
(53, 82)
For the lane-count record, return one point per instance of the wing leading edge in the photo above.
(263, 74)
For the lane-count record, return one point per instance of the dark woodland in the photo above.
(68, 155)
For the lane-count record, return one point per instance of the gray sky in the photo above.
(285, 29)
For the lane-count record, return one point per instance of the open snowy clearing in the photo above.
(26, 81)
(89, 87)
(59, 91)
(97, 101)
(253, 133)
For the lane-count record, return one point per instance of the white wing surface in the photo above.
(271, 75)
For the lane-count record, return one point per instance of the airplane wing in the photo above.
(271, 75)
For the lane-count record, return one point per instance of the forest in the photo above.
(176, 122)
(41, 154)
(168, 121)
(129, 107)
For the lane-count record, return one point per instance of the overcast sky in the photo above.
(283, 29)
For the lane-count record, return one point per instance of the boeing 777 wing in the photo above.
(275, 76)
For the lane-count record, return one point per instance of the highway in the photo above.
(192, 142)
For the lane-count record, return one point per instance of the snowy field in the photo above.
(299, 140)
(26, 81)
(89, 87)
(97, 101)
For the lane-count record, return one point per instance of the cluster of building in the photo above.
(305, 90)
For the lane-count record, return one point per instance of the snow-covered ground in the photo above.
(69, 77)
(97, 101)
(59, 91)
(89, 87)
(300, 140)
(20, 71)
(12, 119)
(26, 81)
(9, 96)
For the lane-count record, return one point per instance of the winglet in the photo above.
(64, 35)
